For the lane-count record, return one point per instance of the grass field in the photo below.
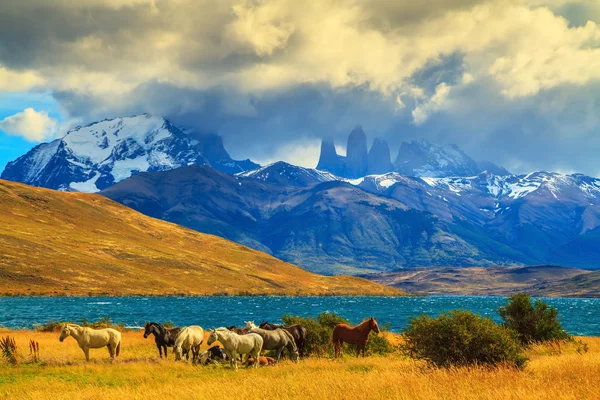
(139, 374)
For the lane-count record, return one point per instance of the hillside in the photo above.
(543, 280)
(54, 243)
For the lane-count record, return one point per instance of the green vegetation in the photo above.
(320, 329)
(461, 338)
(533, 322)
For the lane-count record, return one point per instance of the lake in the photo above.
(579, 316)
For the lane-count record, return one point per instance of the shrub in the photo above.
(537, 322)
(104, 322)
(460, 338)
(320, 329)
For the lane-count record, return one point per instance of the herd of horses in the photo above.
(250, 340)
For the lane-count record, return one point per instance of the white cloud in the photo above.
(30, 124)
(14, 81)
(437, 102)
(302, 153)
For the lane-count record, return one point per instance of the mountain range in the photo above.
(93, 157)
(415, 158)
(436, 207)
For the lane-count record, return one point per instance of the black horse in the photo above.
(162, 336)
(298, 332)
(239, 331)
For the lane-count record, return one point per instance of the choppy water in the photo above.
(579, 316)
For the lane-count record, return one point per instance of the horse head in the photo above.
(374, 325)
(250, 325)
(264, 325)
(66, 332)
(212, 337)
(147, 329)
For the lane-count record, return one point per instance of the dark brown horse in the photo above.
(163, 337)
(239, 331)
(357, 335)
(298, 332)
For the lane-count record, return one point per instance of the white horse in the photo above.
(250, 325)
(235, 344)
(189, 338)
(89, 338)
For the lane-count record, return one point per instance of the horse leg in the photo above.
(86, 351)
(111, 351)
(278, 356)
(357, 349)
(159, 349)
(234, 360)
(165, 350)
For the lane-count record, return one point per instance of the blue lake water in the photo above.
(579, 316)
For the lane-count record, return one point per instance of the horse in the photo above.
(163, 337)
(214, 354)
(236, 344)
(239, 331)
(277, 340)
(357, 335)
(298, 332)
(189, 338)
(89, 338)
(262, 361)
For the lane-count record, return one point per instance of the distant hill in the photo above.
(543, 280)
(55, 243)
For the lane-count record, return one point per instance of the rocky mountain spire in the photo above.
(379, 158)
(356, 154)
(329, 160)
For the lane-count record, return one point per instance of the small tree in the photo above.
(537, 322)
(460, 338)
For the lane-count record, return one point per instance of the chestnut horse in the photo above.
(357, 335)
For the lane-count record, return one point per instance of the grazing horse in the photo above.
(357, 335)
(163, 337)
(190, 338)
(89, 338)
(298, 332)
(277, 340)
(236, 344)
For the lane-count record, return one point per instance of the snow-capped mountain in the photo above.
(422, 158)
(282, 173)
(93, 157)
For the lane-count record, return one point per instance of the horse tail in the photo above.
(118, 351)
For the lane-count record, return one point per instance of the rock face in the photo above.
(379, 161)
(329, 160)
(424, 159)
(93, 157)
(356, 154)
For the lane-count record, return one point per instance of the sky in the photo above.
(516, 82)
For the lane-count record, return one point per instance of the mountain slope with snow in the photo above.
(282, 173)
(93, 157)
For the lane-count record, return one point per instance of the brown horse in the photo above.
(357, 335)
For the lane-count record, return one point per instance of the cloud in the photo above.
(32, 125)
(270, 74)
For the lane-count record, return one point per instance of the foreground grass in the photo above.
(139, 374)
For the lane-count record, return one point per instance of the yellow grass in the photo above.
(54, 243)
(139, 374)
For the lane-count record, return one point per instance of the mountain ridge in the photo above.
(56, 243)
(92, 157)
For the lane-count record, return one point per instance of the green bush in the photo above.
(320, 329)
(537, 322)
(460, 338)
